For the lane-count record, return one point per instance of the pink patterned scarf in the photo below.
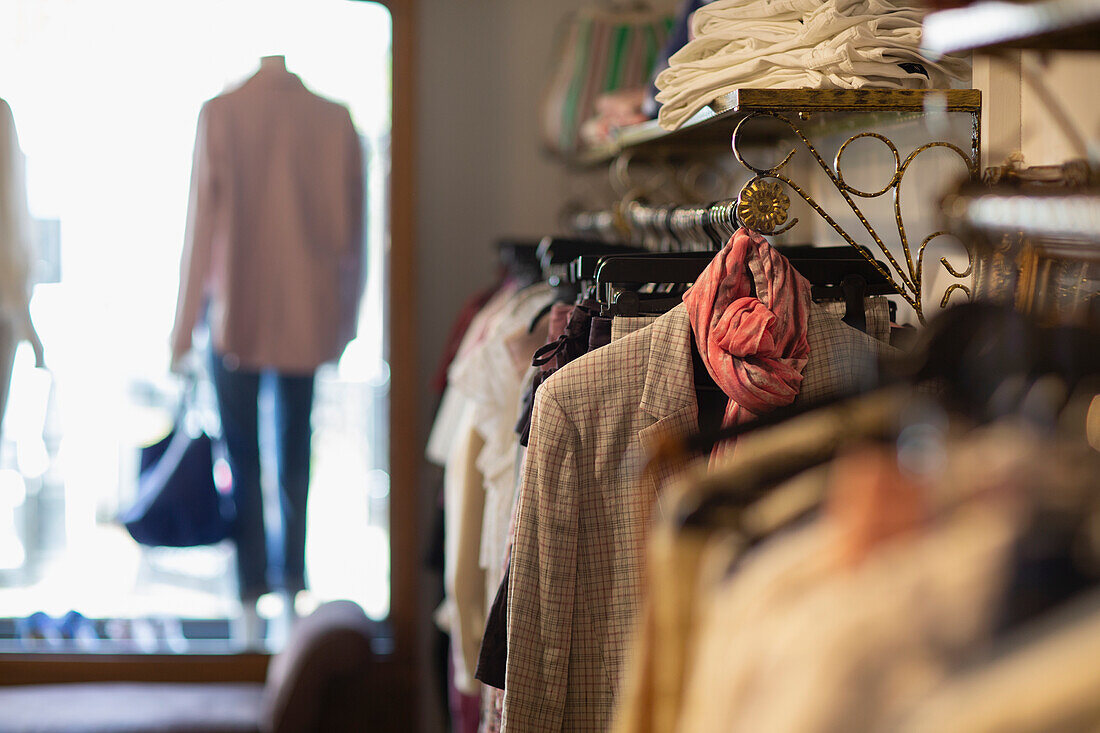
(753, 345)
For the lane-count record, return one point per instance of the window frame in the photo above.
(405, 612)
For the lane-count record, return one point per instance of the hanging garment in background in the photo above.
(663, 647)
(836, 44)
(1043, 679)
(468, 331)
(572, 324)
(805, 635)
(451, 405)
(16, 255)
(460, 579)
(459, 326)
(486, 379)
(435, 559)
(462, 613)
(277, 264)
(494, 651)
(818, 649)
(583, 510)
(491, 377)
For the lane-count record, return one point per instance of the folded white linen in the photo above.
(784, 44)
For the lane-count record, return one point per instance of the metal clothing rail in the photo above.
(763, 203)
(669, 227)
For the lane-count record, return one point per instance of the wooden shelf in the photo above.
(713, 125)
(1048, 24)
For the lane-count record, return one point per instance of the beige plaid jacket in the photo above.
(584, 509)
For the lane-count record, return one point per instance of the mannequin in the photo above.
(15, 256)
(272, 266)
(273, 62)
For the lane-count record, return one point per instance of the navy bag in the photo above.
(178, 503)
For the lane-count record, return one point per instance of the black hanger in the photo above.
(520, 260)
(557, 253)
(839, 273)
(654, 267)
(583, 268)
(854, 288)
(619, 276)
(616, 274)
(630, 303)
(554, 250)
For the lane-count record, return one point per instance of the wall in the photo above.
(1018, 117)
(480, 171)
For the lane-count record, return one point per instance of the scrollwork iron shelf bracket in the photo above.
(763, 206)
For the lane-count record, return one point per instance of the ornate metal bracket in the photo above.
(763, 207)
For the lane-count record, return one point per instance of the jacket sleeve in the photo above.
(543, 575)
(198, 236)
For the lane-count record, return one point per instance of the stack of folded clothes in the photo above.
(788, 44)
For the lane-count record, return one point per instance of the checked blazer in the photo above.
(585, 507)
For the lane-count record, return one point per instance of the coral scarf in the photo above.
(753, 345)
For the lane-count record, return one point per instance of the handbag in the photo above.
(600, 50)
(178, 503)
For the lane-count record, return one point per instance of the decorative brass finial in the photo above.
(762, 206)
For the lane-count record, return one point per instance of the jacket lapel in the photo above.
(669, 392)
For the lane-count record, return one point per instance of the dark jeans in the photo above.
(238, 394)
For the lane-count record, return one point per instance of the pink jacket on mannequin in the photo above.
(274, 228)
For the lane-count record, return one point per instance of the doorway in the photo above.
(106, 98)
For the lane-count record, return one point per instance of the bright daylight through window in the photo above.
(105, 98)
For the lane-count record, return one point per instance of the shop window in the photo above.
(106, 97)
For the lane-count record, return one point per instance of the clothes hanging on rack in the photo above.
(483, 388)
(550, 537)
(493, 658)
(584, 508)
(468, 330)
(1043, 679)
(851, 568)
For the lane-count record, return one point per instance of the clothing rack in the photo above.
(670, 227)
(751, 117)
